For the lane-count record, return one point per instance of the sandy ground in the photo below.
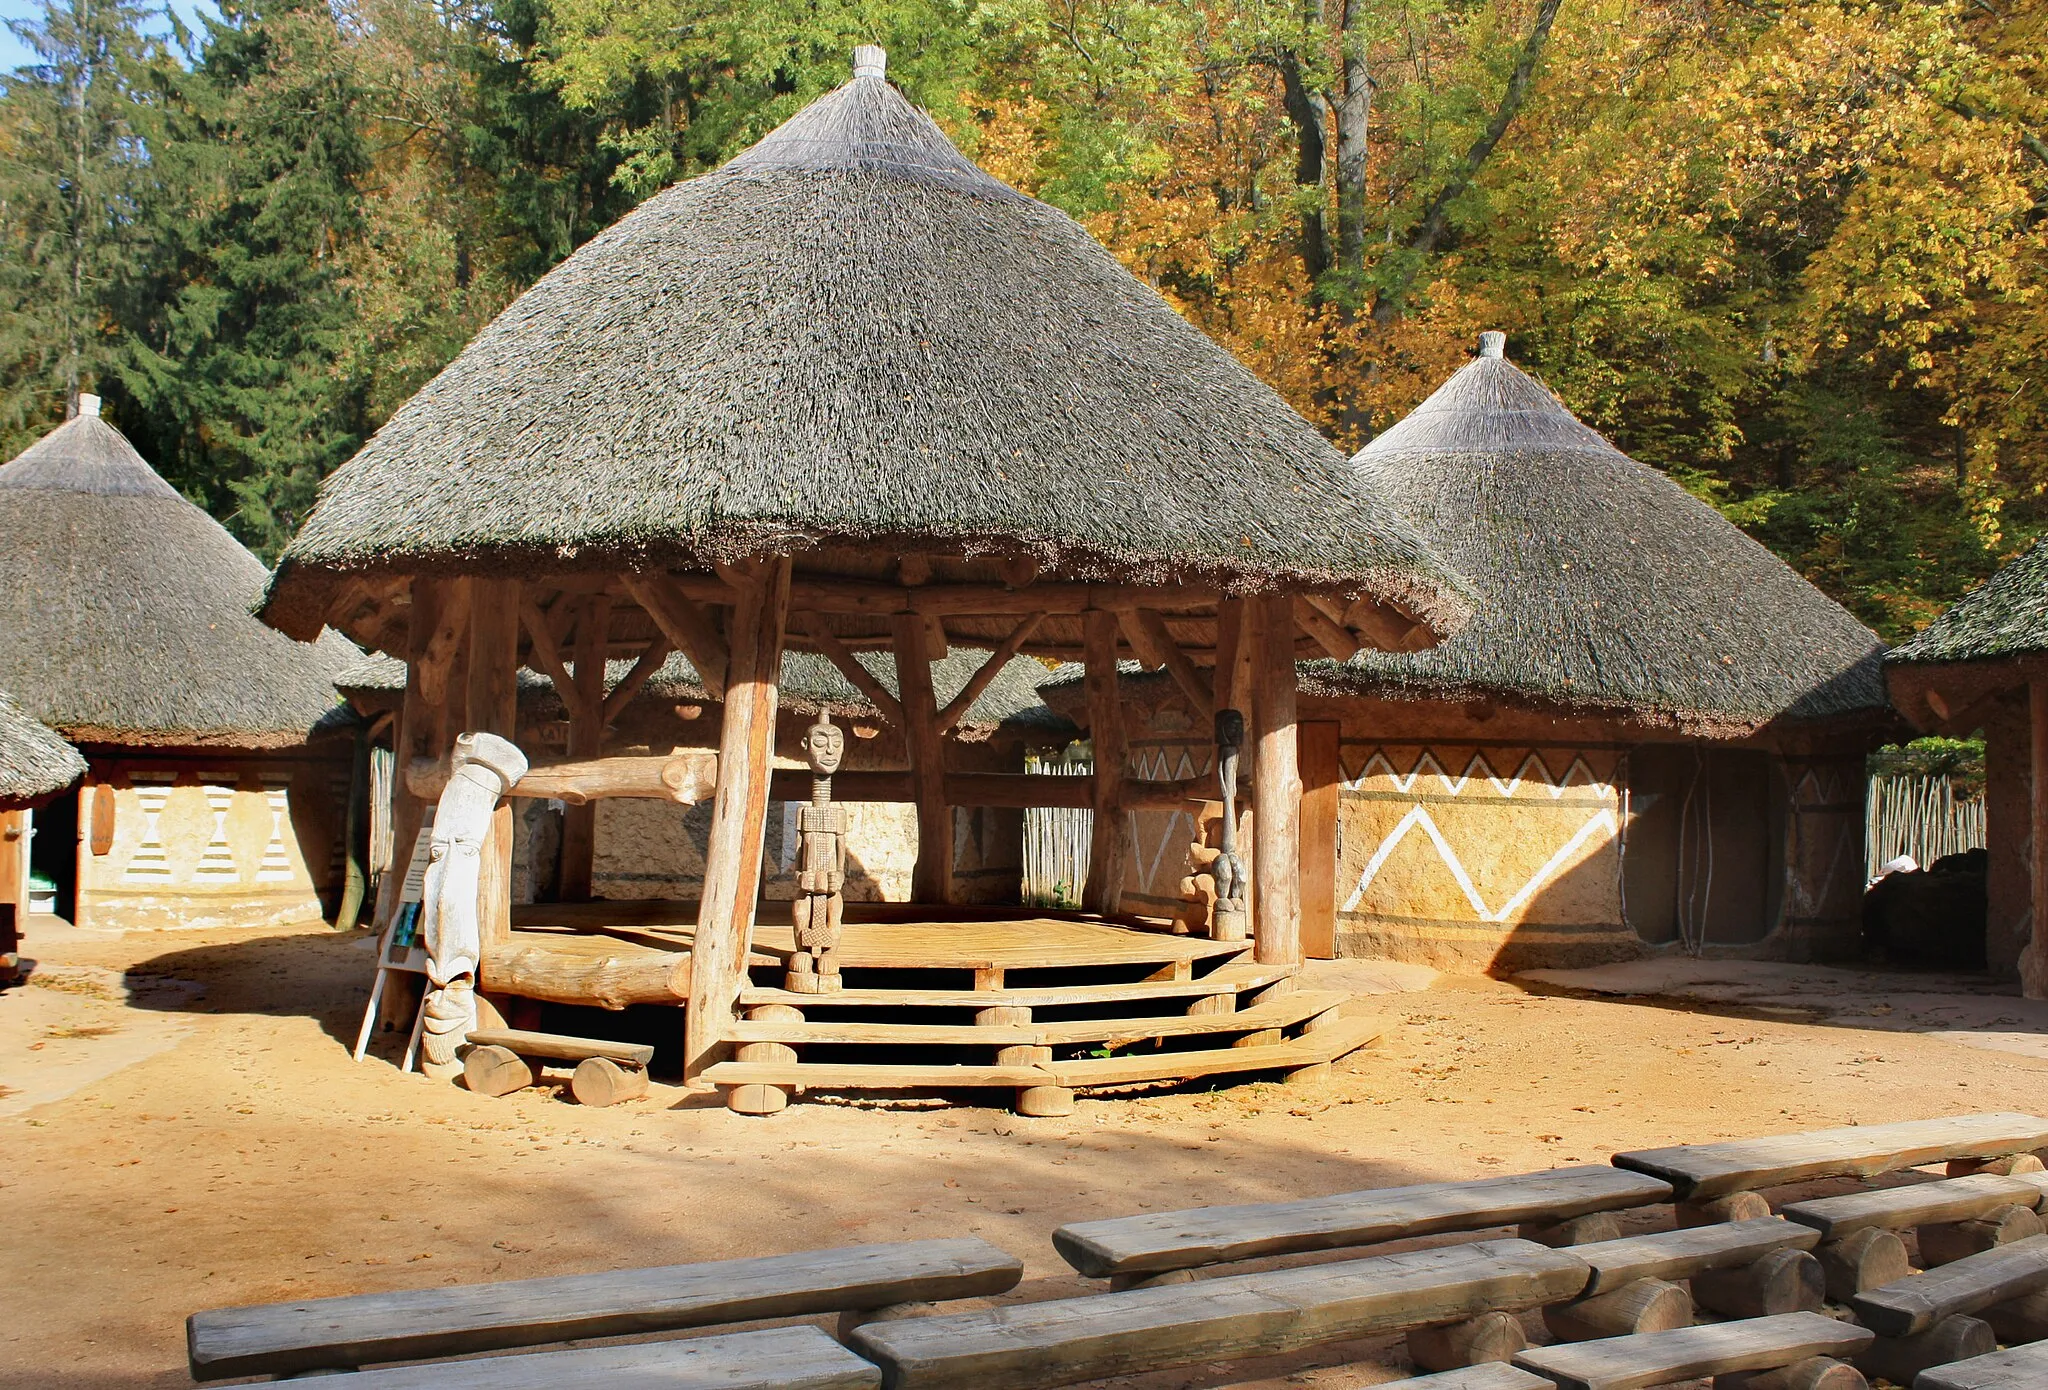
(182, 1128)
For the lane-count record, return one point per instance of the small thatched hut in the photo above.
(1650, 735)
(35, 765)
(851, 394)
(1982, 667)
(218, 755)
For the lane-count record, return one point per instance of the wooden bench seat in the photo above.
(1658, 1358)
(1702, 1171)
(2016, 1368)
(1159, 1241)
(1895, 1208)
(1493, 1375)
(361, 1329)
(775, 1358)
(1035, 1345)
(557, 1047)
(1692, 1250)
(1914, 1304)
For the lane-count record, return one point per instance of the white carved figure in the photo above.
(483, 767)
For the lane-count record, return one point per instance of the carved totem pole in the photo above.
(1231, 922)
(483, 767)
(821, 867)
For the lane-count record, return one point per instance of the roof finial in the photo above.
(1493, 345)
(88, 404)
(870, 60)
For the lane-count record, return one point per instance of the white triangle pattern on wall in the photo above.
(150, 863)
(1172, 829)
(217, 860)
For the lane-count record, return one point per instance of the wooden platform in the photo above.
(1044, 1004)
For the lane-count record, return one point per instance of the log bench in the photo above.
(1061, 1342)
(1701, 1172)
(2016, 1368)
(1954, 1217)
(1741, 1268)
(1160, 1242)
(1926, 1319)
(502, 1060)
(776, 1358)
(417, 1324)
(1722, 1349)
(1494, 1375)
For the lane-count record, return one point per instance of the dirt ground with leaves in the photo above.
(183, 1129)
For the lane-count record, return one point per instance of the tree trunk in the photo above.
(1307, 117)
(1353, 112)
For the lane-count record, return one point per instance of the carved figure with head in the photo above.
(824, 745)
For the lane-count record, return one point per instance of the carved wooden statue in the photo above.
(483, 766)
(1231, 922)
(821, 867)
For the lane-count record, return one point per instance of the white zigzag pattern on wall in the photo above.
(1603, 819)
(1577, 775)
(1175, 828)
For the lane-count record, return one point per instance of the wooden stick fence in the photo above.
(1918, 815)
(1056, 838)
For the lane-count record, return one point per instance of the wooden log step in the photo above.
(775, 1358)
(1658, 1358)
(1895, 1208)
(1916, 1303)
(1683, 1253)
(1494, 1375)
(1060, 1342)
(1157, 1241)
(1311, 1049)
(1279, 1012)
(414, 1324)
(1228, 979)
(557, 1047)
(2015, 1368)
(1859, 1151)
(874, 1076)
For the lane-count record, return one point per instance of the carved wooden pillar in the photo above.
(1109, 843)
(1276, 787)
(493, 704)
(2034, 959)
(586, 740)
(932, 880)
(739, 814)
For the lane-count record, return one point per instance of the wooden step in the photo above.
(1279, 1012)
(1324, 1045)
(872, 1076)
(1228, 979)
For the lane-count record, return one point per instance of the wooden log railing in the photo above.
(686, 776)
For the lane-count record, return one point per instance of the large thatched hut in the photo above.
(851, 394)
(1982, 667)
(1651, 735)
(216, 750)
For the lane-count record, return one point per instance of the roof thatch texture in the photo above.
(851, 335)
(809, 683)
(2006, 617)
(1604, 584)
(127, 608)
(34, 762)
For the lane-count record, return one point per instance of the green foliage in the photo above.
(1961, 760)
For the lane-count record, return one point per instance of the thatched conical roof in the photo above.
(1604, 584)
(850, 336)
(126, 608)
(2005, 617)
(34, 762)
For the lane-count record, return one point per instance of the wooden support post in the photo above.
(586, 740)
(411, 734)
(493, 682)
(755, 1098)
(739, 814)
(932, 880)
(444, 668)
(2034, 959)
(1276, 788)
(1109, 845)
(1321, 787)
(1232, 676)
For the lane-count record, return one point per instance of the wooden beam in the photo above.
(586, 740)
(932, 879)
(685, 776)
(1276, 787)
(544, 646)
(493, 681)
(937, 645)
(689, 628)
(1231, 676)
(450, 631)
(411, 737)
(979, 682)
(1322, 781)
(732, 856)
(2034, 960)
(1386, 627)
(1198, 689)
(1109, 841)
(862, 679)
(650, 661)
(1325, 631)
(982, 600)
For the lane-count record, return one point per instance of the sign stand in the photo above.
(399, 948)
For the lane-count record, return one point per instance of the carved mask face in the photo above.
(824, 746)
